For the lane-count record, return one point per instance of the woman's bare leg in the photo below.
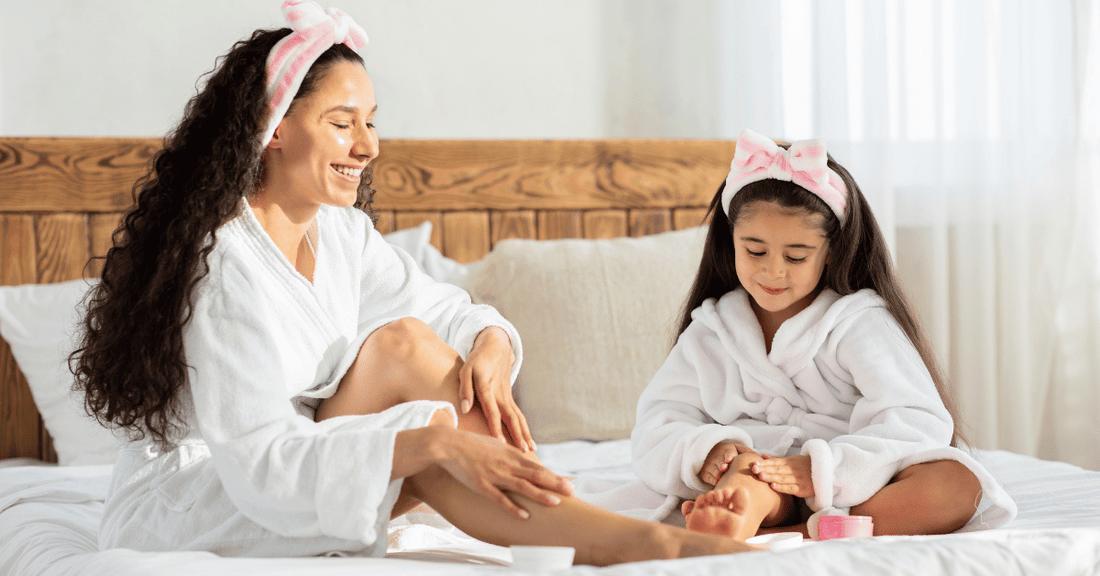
(406, 361)
(401, 362)
(599, 537)
(739, 504)
(931, 498)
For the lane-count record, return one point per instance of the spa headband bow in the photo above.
(315, 30)
(805, 163)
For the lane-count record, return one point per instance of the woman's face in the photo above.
(780, 256)
(324, 143)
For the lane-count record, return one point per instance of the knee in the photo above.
(400, 340)
(950, 488)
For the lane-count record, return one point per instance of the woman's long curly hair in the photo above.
(858, 258)
(130, 365)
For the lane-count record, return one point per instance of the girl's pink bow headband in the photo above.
(315, 30)
(805, 163)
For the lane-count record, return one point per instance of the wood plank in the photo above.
(97, 174)
(17, 250)
(689, 218)
(555, 224)
(385, 223)
(404, 220)
(465, 235)
(646, 222)
(512, 224)
(19, 420)
(63, 247)
(100, 229)
(71, 174)
(549, 175)
(605, 224)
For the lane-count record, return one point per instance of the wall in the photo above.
(442, 69)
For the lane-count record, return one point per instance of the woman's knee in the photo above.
(400, 340)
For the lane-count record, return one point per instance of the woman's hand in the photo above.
(490, 468)
(787, 475)
(718, 460)
(486, 378)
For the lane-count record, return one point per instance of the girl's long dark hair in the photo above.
(130, 363)
(858, 259)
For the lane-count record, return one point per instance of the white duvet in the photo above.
(49, 517)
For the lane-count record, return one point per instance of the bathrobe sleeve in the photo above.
(899, 412)
(283, 471)
(394, 287)
(674, 431)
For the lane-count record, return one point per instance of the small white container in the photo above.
(777, 540)
(541, 558)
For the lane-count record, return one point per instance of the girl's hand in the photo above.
(486, 378)
(490, 468)
(718, 460)
(787, 475)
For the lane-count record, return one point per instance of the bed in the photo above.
(553, 233)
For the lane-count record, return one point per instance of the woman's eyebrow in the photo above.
(349, 109)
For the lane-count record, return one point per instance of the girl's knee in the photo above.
(947, 489)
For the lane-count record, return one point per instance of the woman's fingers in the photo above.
(517, 428)
(465, 389)
(501, 498)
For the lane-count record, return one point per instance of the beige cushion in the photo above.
(597, 319)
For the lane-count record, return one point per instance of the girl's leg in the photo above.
(406, 361)
(739, 504)
(930, 498)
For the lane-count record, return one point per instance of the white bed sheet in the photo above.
(49, 517)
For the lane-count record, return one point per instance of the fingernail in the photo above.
(501, 438)
(524, 514)
(569, 486)
(465, 406)
(553, 500)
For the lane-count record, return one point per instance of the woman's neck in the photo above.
(288, 225)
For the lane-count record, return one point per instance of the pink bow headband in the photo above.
(315, 30)
(805, 163)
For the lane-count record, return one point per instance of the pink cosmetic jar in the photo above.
(832, 527)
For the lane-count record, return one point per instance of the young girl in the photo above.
(288, 380)
(800, 371)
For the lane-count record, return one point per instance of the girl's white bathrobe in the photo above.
(254, 475)
(842, 384)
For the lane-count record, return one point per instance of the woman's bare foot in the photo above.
(722, 512)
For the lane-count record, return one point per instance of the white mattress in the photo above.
(49, 517)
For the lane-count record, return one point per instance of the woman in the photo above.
(288, 380)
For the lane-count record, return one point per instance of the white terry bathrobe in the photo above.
(842, 384)
(254, 475)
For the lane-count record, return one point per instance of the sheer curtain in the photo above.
(969, 125)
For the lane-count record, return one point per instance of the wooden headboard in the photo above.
(61, 198)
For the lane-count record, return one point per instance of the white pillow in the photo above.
(597, 319)
(417, 241)
(38, 321)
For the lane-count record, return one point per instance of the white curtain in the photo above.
(970, 126)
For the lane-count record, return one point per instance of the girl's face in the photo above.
(780, 256)
(328, 138)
